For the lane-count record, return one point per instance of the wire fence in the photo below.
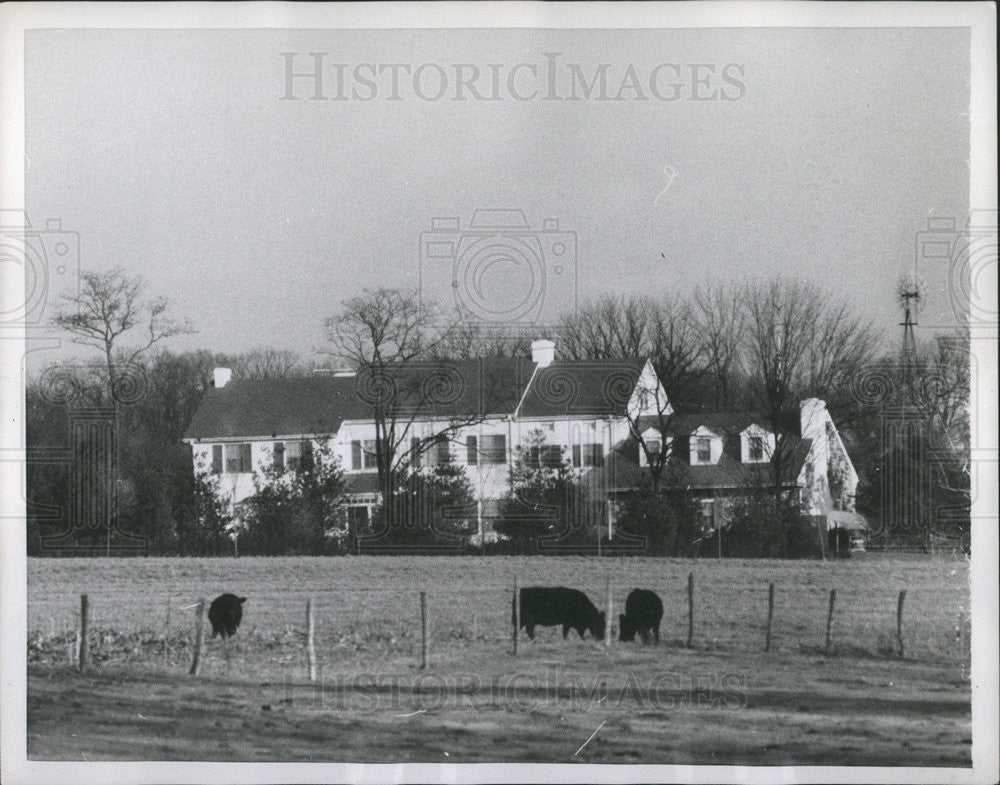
(370, 609)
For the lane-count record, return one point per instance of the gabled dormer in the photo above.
(757, 444)
(706, 446)
(655, 445)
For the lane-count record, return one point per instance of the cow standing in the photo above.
(548, 606)
(643, 612)
(225, 614)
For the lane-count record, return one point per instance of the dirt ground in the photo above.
(636, 704)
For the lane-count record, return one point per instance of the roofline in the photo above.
(269, 438)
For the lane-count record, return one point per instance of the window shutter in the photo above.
(216, 459)
(279, 456)
(356, 455)
(246, 462)
(598, 455)
(443, 449)
(415, 455)
(471, 451)
(576, 455)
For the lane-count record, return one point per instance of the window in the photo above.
(471, 450)
(216, 459)
(494, 449)
(708, 510)
(279, 456)
(442, 450)
(363, 455)
(545, 456)
(588, 455)
(238, 458)
(297, 454)
(654, 447)
(704, 449)
(756, 448)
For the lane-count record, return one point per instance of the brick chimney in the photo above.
(543, 352)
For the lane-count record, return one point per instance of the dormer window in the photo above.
(654, 447)
(706, 446)
(756, 444)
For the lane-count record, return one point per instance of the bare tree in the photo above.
(780, 316)
(391, 339)
(839, 346)
(108, 307)
(472, 341)
(611, 326)
(719, 319)
(267, 363)
(103, 316)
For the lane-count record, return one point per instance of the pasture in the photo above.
(724, 700)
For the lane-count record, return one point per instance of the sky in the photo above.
(181, 155)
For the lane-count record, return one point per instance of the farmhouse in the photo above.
(477, 413)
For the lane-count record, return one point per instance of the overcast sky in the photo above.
(815, 153)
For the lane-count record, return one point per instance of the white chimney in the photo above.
(543, 352)
(812, 418)
(221, 377)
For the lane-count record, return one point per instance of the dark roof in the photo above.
(319, 404)
(582, 387)
(622, 472)
(272, 407)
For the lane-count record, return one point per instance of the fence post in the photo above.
(166, 637)
(515, 614)
(199, 636)
(310, 639)
(829, 620)
(899, 621)
(610, 612)
(690, 609)
(423, 630)
(770, 615)
(81, 660)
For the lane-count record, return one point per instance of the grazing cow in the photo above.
(225, 613)
(643, 611)
(548, 606)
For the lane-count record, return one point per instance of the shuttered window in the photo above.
(494, 449)
(415, 455)
(471, 450)
(363, 455)
(588, 455)
(216, 459)
(238, 458)
(279, 456)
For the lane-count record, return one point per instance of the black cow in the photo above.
(643, 611)
(225, 613)
(548, 606)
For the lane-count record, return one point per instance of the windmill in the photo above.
(911, 294)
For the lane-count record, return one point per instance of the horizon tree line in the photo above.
(760, 345)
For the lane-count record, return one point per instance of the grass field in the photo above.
(722, 701)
